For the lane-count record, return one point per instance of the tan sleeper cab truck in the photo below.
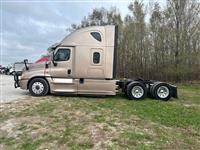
(84, 62)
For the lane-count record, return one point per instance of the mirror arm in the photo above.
(54, 63)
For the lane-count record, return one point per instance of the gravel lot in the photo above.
(7, 90)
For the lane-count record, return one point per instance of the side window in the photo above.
(62, 54)
(96, 57)
(96, 35)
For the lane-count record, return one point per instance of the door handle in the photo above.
(69, 71)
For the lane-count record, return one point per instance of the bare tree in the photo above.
(165, 47)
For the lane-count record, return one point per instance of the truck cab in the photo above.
(82, 63)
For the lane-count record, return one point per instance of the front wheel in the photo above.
(38, 87)
(136, 90)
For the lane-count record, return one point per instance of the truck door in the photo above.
(62, 71)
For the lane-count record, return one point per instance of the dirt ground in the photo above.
(7, 90)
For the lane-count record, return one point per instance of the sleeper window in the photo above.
(62, 55)
(96, 57)
(96, 35)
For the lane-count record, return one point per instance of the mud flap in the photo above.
(174, 91)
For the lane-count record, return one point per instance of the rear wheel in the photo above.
(136, 90)
(161, 91)
(38, 87)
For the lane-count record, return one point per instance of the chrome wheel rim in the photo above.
(137, 91)
(163, 92)
(37, 87)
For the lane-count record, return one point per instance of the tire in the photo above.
(161, 91)
(38, 87)
(136, 90)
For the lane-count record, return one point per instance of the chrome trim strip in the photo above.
(62, 80)
(67, 90)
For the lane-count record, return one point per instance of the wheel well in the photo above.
(35, 78)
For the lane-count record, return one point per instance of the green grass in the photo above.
(168, 114)
(42, 109)
(31, 145)
(60, 122)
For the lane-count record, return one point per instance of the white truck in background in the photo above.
(16, 67)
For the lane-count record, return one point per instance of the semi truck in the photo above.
(85, 63)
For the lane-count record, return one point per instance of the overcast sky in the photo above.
(29, 28)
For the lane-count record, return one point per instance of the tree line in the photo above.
(154, 42)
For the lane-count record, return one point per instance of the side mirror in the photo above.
(52, 58)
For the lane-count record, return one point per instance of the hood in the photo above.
(34, 70)
(36, 66)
